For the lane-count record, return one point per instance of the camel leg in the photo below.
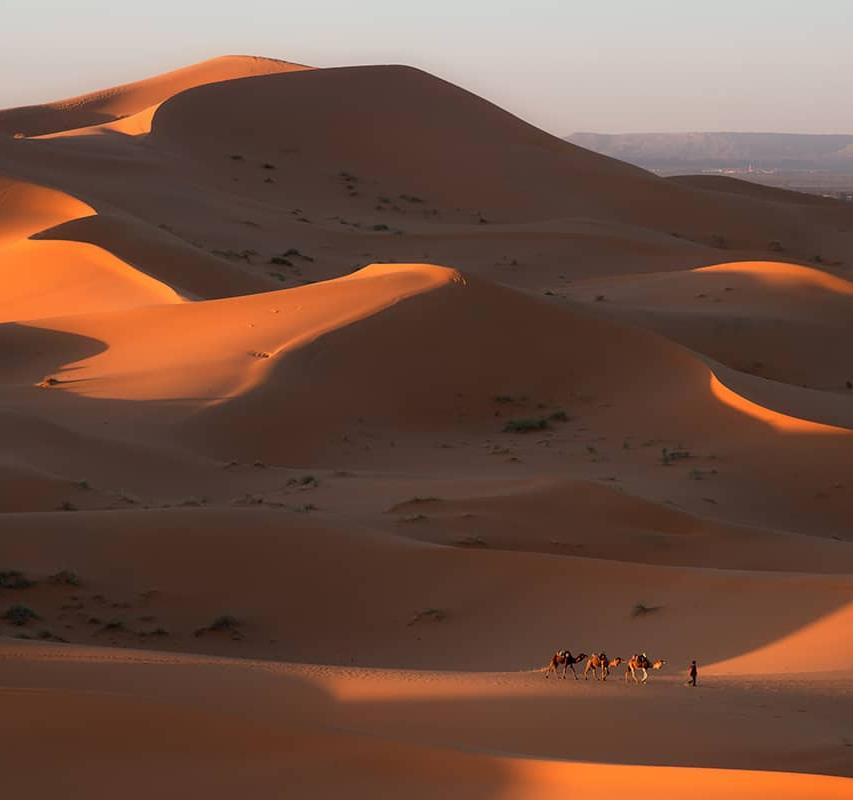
(573, 671)
(645, 675)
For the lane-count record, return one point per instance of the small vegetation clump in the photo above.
(471, 541)
(281, 261)
(669, 457)
(415, 518)
(20, 615)
(14, 579)
(526, 425)
(65, 577)
(559, 416)
(222, 624)
(307, 481)
(641, 610)
(429, 615)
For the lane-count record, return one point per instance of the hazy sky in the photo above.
(622, 65)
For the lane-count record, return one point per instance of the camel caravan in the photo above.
(600, 665)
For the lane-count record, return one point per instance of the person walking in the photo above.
(693, 673)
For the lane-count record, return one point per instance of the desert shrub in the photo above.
(641, 609)
(281, 261)
(429, 615)
(559, 416)
(471, 541)
(526, 425)
(20, 615)
(775, 246)
(224, 623)
(668, 457)
(65, 577)
(14, 579)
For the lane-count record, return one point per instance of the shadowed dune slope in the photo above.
(597, 520)
(409, 132)
(408, 604)
(130, 98)
(773, 320)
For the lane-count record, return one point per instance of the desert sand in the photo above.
(334, 401)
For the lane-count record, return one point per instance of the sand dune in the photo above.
(133, 98)
(777, 321)
(407, 604)
(27, 209)
(320, 386)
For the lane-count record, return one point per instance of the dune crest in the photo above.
(128, 99)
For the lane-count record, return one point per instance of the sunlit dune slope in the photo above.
(218, 349)
(122, 101)
(825, 642)
(41, 279)
(26, 208)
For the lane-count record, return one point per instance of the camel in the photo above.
(564, 659)
(641, 663)
(600, 660)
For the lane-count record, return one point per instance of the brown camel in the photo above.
(564, 659)
(601, 661)
(641, 663)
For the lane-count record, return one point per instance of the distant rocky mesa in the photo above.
(735, 150)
